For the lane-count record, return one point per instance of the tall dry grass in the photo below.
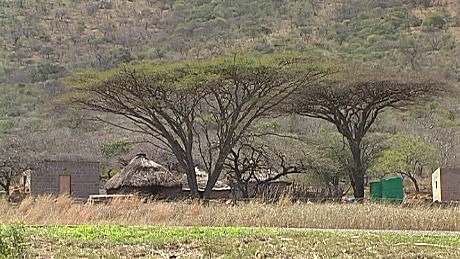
(49, 210)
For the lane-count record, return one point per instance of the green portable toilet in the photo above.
(376, 190)
(393, 189)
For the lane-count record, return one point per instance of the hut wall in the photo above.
(220, 194)
(170, 193)
(158, 192)
(448, 181)
(125, 190)
(215, 194)
(274, 190)
(84, 178)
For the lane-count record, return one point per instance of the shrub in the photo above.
(435, 20)
(5, 125)
(263, 47)
(46, 71)
(12, 243)
(115, 147)
(373, 38)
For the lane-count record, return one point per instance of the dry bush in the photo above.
(25, 205)
(286, 200)
(48, 210)
(63, 202)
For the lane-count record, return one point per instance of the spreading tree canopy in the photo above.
(353, 101)
(197, 109)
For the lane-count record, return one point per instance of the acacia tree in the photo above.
(237, 99)
(354, 105)
(154, 106)
(197, 108)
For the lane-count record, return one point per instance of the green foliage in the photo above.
(12, 242)
(328, 157)
(443, 117)
(267, 126)
(439, 115)
(115, 147)
(199, 28)
(403, 153)
(184, 74)
(120, 56)
(46, 71)
(435, 20)
(240, 242)
(132, 235)
(16, 101)
(5, 125)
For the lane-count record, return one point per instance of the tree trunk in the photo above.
(212, 179)
(359, 185)
(186, 163)
(358, 170)
(219, 166)
(244, 191)
(192, 183)
(413, 179)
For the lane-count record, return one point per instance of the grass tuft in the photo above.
(12, 242)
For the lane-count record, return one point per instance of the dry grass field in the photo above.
(50, 227)
(49, 210)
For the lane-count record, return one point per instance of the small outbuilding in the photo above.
(145, 177)
(387, 189)
(261, 184)
(445, 183)
(221, 190)
(75, 176)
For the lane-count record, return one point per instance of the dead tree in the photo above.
(16, 156)
(260, 165)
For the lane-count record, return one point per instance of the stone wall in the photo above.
(84, 178)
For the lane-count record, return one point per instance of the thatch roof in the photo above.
(142, 172)
(202, 180)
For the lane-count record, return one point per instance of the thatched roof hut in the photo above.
(144, 176)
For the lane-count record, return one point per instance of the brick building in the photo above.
(76, 177)
(445, 183)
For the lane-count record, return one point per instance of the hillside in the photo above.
(62, 36)
(44, 41)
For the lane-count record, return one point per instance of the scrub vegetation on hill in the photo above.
(45, 41)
